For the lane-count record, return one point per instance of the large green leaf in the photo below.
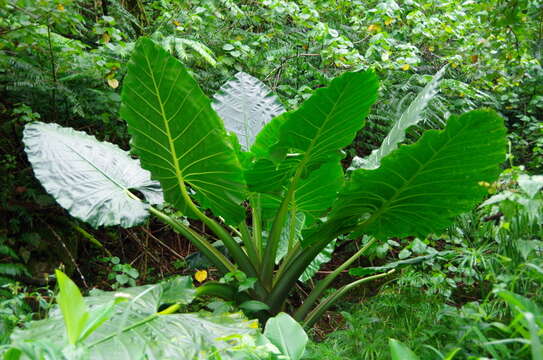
(421, 188)
(313, 196)
(289, 336)
(329, 120)
(268, 136)
(246, 104)
(177, 134)
(89, 178)
(410, 117)
(137, 331)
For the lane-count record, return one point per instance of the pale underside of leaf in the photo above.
(89, 178)
(410, 117)
(173, 336)
(324, 256)
(246, 104)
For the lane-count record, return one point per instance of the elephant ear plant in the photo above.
(274, 179)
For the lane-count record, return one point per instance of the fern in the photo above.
(9, 266)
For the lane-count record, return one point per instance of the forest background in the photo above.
(64, 61)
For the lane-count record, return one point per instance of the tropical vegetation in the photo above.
(272, 180)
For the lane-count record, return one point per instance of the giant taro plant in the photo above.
(268, 177)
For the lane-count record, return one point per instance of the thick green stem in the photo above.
(234, 249)
(286, 261)
(318, 240)
(257, 225)
(216, 289)
(249, 244)
(324, 283)
(292, 227)
(268, 262)
(314, 315)
(215, 256)
(89, 237)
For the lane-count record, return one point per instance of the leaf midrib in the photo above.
(175, 163)
(386, 204)
(320, 129)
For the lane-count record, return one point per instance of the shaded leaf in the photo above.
(324, 256)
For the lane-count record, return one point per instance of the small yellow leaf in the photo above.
(389, 21)
(114, 83)
(431, 49)
(106, 38)
(406, 67)
(253, 324)
(176, 23)
(60, 7)
(454, 65)
(200, 275)
(374, 28)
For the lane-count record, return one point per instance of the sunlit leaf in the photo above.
(87, 177)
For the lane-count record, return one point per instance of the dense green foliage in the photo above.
(78, 64)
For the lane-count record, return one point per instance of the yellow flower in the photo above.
(389, 21)
(176, 23)
(60, 7)
(374, 28)
(200, 275)
(405, 67)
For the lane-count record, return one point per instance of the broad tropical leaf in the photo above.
(421, 188)
(264, 176)
(246, 104)
(177, 134)
(268, 136)
(87, 177)
(314, 195)
(399, 351)
(137, 330)
(329, 119)
(289, 336)
(410, 117)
